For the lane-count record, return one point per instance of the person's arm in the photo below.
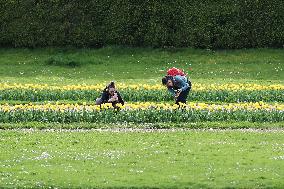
(182, 81)
(120, 100)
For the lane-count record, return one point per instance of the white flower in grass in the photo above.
(44, 155)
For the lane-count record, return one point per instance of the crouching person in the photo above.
(110, 95)
(179, 86)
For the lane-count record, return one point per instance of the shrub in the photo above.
(154, 23)
(60, 60)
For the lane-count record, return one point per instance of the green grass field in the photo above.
(131, 65)
(173, 159)
(205, 155)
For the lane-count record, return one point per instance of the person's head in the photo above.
(111, 91)
(167, 81)
(111, 88)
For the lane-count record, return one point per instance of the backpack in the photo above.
(175, 71)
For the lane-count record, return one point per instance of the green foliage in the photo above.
(140, 116)
(178, 23)
(142, 95)
(60, 60)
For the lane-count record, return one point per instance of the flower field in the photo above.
(145, 104)
(98, 87)
(139, 114)
(144, 93)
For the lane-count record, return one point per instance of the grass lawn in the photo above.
(173, 159)
(196, 125)
(143, 65)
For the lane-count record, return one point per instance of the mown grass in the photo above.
(195, 125)
(143, 65)
(192, 159)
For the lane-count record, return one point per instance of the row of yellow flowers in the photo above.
(145, 106)
(196, 87)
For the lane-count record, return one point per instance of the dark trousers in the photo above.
(183, 96)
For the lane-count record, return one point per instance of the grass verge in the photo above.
(197, 125)
(193, 159)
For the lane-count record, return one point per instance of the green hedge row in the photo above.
(154, 23)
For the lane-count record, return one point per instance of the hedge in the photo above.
(153, 23)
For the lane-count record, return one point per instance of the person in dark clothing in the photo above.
(110, 95)
(178, 86)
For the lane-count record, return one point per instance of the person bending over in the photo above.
(179, 86)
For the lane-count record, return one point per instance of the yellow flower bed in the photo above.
(196, 87)
(144, 106)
